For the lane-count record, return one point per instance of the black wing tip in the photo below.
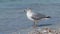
(48, 17)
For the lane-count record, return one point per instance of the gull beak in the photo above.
(24, 11)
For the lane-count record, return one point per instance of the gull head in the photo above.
(28, 10)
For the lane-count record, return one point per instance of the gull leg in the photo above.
(35, 23)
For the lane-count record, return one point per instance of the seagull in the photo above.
(34, 16)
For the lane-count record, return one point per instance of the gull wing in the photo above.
(37, 16)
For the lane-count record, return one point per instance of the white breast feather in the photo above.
(29, 15)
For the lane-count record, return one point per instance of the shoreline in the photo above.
(44, 30)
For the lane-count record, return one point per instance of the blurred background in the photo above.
(14, 21)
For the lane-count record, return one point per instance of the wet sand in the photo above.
(44, 30)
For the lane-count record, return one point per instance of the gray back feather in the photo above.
(37, 16)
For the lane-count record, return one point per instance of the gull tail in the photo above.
(48, 17)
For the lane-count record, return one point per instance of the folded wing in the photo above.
(37, 16)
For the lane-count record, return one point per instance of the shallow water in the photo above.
(13, 19)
